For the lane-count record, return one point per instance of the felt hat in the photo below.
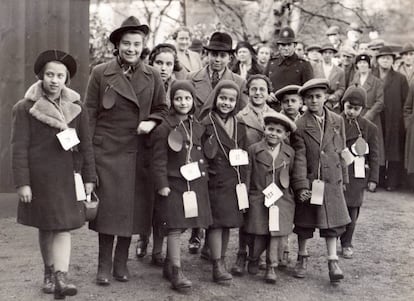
(333, 30)
(130, 23)
(289, 89)
(196, 45)
(327, 46)
(314, 83)
(407, 48)
(245, 44)
(385, 50)
(348, 50)
(363, 57)
(58, 56)
(355, 27)
(220, 41)
(286, 36)
(376, 44)
(313, 47)
(279, 118)
(356, 96)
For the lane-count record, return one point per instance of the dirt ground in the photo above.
(382, 269)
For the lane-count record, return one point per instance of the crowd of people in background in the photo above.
(271, 139)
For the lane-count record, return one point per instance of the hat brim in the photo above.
(290, 125)
(116, 35)
(55, 56)
(286, 41)
(328, 48)
(384, 54)
(218, 48)
(302, 91)
(406, 51)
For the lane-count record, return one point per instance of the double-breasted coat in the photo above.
(39, 161)
(204, 90)
(260, 175)
(395, 94)
(409, 127)
(354, 193)
(223, 177)
(313, 153)
(169, 211)
(374, 106)
(116, 107)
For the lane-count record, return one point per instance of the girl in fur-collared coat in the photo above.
(44, 171)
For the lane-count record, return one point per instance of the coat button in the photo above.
(201, 161)
(199, 148)
(203, 174)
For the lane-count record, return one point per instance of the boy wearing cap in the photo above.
(362, 142)
(270, 219)
(290, 100)
(319, 175)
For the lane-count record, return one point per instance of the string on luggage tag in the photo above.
(190, 147)
(236, 168)
(320, 144)
(358, 128)
(59, 108)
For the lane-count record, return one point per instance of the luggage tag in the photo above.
(273, 218)
(175, 140)
(272, 194)
(190, 204)
(318, 187)
(238, 157)
(359, 167)
(360, 147)
(190, 171)
(347, 156)
(284, 177)
(68, 138)
(79, 187)
(242, 196)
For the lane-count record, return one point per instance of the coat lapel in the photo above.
(311, 127)
(250, 119)
(202, 85)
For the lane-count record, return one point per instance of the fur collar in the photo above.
(46, 112)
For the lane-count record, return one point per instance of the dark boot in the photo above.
(167, 269)
(178, 281)
(335, 272)
(284, 261)
(194, 243)
(62, 288)
(270, 275)
(106, 243)
(48, 280)
(253, 266)
(142, 245)
(239, 267)
(220, 274)
(120, 269)
(301, 266)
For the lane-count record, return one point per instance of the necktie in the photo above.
(215, 79)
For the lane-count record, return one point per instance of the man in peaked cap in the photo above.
(346, 56)
(333, 34)
(354, 33)
(318, 142)
(407, 66)
(287, 68)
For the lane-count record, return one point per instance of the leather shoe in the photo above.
(194, 244)
(157, 260)
(240, 266)
(142, 245)
(121, 278)
(335, 272)
(270, 276)
(347, 252)
(102, 280)
(301, 266)
(253, 267)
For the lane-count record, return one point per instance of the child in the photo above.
(224, 134)
(271, 162)
(319, 175)
(179, 172)
(357, 127)
(291, 102)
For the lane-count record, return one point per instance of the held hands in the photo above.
(304, 195)
(145, 127)
(25, 193)
(272, 97)
(372, 186)
(165, 191)
(89, 188)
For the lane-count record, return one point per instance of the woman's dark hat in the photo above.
(244, 44)
(385, 50)
(196, 45)
(363, 57)
(356, 96)
(58, 56)
(313, 47)
(327, 46)
(220, 41)
(407, 48)
(130, 23)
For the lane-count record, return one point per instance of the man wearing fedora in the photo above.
(219, 52)
(126, 100)
(395, 94)
(336, 76)
(287, 68)
(407, 66)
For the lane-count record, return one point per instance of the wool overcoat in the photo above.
(354, 193)
(409, 126)
(260, 175)
(375, 105)
(39, 161)
(222, 176)
(116, 107)
(169, 211)
(312, 154)
(395, 94)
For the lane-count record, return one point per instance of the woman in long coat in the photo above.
(44, 171)
(126, 100)
(409, 139)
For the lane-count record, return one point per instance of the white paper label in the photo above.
(190, 204)
(79, 187)
(347, 156)
(190, 171)
(242, 197)
(318, 187)
(238, 157)
(359, 167)
(68, 138)
(273, 218)
(272, 194)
